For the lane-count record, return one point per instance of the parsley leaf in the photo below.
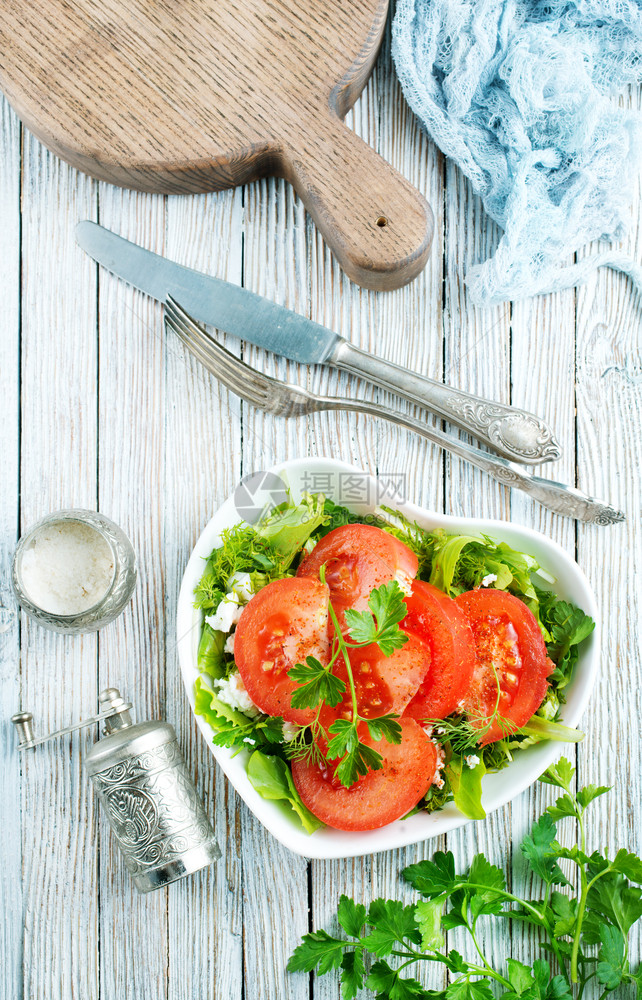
(317, 950)
(627, 864)
(565, 911)
(351, 916)
(317, 684)
(537, 849)
(353, 971)
(560, 774)
(386, 726)
(428, 914)
(391, 922)
(568, 626)
(589, 793)
(612, 900)
(482, 872)
(564, 806)
(359, 757)
(470, 989)
(432, 878)
(381, 623)
(390, 986)
(611, 956)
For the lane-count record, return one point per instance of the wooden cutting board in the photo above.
(178, 96)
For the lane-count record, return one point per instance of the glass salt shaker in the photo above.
(74, 571)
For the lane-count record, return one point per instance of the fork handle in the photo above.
(514, 433)
(565, 500)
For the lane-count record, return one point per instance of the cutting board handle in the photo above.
(378, 225)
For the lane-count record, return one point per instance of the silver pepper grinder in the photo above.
(143, 784)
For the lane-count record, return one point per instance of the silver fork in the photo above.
(286, 400)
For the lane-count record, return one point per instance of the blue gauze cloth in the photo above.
(516, 92)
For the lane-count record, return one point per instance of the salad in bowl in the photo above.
(363, 674)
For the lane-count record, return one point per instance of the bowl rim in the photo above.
(326, 843)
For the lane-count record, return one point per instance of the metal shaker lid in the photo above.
(128, 742)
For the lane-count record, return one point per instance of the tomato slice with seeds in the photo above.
(379, 797)
(283, 623)
(510, 678)
(358, 558)
(434, 617)
(382, 684)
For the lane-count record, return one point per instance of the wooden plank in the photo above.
(609, 416)
(10, 687)
(203, 464)
(58, 469)
(134, 928)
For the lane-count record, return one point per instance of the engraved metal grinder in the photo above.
(143, 784)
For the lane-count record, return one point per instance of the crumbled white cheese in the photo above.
(437, 780)
(229, 644)
(404, 581)
(545, 575)
(241, 585)
(226, 615)
(232, 691)
(472, 760)
(290, 730)
(488, 579)
(428, 729)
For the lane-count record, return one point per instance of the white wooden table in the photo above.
(99, 410)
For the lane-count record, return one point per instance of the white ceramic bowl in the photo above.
(334, 479)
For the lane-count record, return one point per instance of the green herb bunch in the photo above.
(583, 915)
(319, 686)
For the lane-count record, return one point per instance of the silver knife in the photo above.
(512, 432)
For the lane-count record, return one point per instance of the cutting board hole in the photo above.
(382, 222)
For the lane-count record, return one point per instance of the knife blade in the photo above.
(211, 300)
(514, 433)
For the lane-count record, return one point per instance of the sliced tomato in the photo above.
(285, 622)
(382, 684)
(512, 666)
(358, 558)
(436, 618)
(380, 796)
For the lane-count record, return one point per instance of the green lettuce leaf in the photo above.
(466, 785)
(213, 710)
(288, 527)
(210, 659)
(271, 778)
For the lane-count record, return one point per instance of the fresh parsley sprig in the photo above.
(583, 914)
(319, 685)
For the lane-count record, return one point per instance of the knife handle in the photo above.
(378, 225)
(514, 433)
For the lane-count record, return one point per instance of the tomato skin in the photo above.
(358, 558)
(380, 797)
(436, 618)
(282, 624)
(383, 684)
(506, 633)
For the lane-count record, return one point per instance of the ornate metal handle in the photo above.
(514, 433)
(565, 500)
